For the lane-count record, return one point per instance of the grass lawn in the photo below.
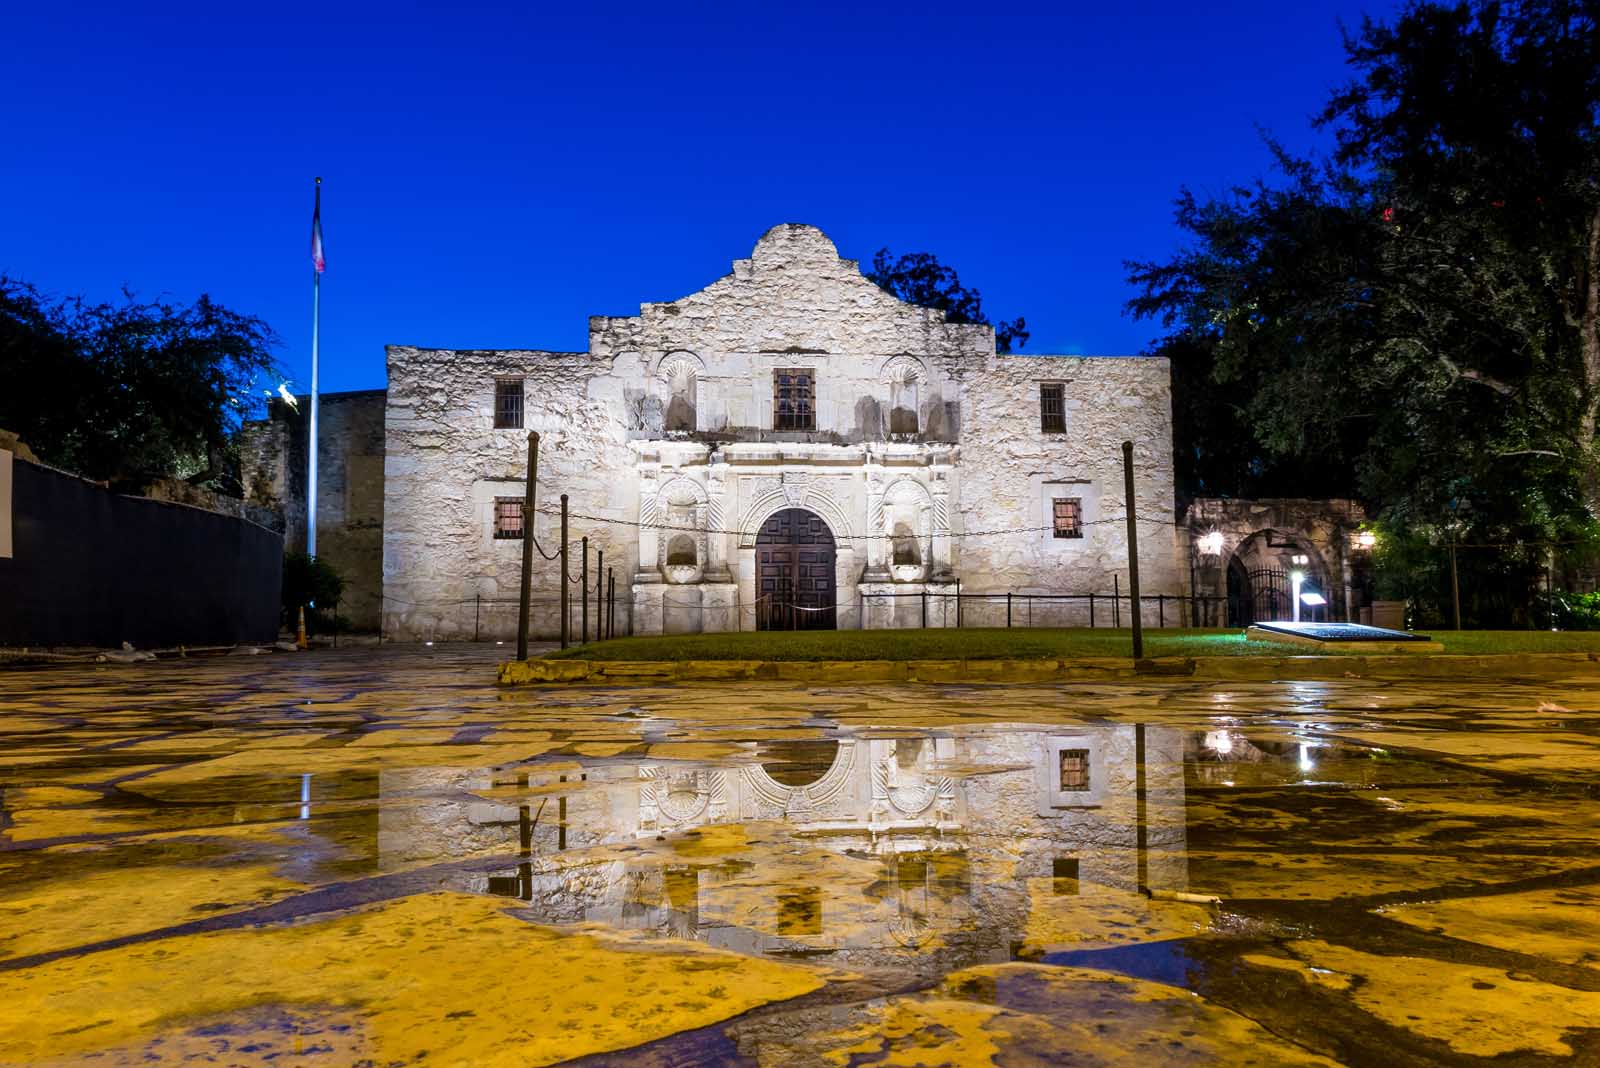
(986, 643)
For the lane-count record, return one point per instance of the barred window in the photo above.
(793, 400)
(1052, 408)
(1067, 515)
(1074, 769)
(508, 517)
(508, 404)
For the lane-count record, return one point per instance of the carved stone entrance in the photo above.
(794, 572)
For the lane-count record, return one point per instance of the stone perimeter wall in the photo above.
(1011, 471)
(445, 575)
(350, 459)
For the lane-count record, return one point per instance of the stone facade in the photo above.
(1241, 552)
(350, 461)
(922, 456)
(925, 460)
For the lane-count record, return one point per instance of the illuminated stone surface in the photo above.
(375, 857)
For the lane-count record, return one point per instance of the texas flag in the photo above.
(317, 260)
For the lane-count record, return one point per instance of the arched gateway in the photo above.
(794, 572)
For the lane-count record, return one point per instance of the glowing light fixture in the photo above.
(1211, 543)
(1297, 579)
(1365, 540)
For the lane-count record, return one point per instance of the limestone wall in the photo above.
(350, 449)
(1011, 470)
(793, 304)
(445, 574)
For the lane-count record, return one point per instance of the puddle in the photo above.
(1133, 875)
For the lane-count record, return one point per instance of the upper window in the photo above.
(1067, 517)
(508, 403)
(1052, 408)
(508, 517)
(1074, 770)
(794, 400)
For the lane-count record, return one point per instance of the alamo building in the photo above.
(791, 446)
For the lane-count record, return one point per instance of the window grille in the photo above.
(793, 400)
(1067, 514)
(1052, 408)
(508, 517)
(1074, 769)
(508, 404)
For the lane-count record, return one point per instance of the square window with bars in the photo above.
(794, 399)
(508, 404)
(508, 517)
(1067, 517)
(1074, 770)
(1052, 408)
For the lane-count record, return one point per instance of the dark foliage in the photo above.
(919, 278)
(123, 392)
(315, 584)
(1417, 318)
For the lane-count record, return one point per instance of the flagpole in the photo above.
(316, 330)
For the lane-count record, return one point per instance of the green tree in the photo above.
(1418, 312)
(129, 390)
(919, 278)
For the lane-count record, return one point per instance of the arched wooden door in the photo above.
(794, 572)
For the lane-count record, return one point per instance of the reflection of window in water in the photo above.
(800, 911)
(1064, 873)
(682, 886)
(1074, 769)
(798, 763)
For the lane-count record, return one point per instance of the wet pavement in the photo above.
(377, 857)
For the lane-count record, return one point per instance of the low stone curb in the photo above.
(1077, 669)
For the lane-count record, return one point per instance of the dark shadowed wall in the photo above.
(93, 567)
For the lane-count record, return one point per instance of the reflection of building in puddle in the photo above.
(876, 842)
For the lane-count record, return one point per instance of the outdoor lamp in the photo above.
(1297, 579)
(1211, 543)
(1365, 540)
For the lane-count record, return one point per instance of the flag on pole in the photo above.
(317, 260)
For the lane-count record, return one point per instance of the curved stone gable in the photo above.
(793, 295)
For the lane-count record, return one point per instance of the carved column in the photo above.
(877, 542)
(716, 511)
(941, 565)
(649, 535)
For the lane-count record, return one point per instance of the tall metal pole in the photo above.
(1455, 583)
(566, 598)
(583, 589)
(611, 605)
(599, 594)
(527, 544)
(316, 334)
(1133, 549)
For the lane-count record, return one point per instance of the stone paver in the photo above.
(378, 856)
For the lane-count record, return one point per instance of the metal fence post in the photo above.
(1133, 549)
(527, 544)
(1091, 611)
(924, 608)
(599, 594)
(566, 598)
(1161, 611)
(1008, 608)
(583, 591)
(611, 605)
(1116, 600)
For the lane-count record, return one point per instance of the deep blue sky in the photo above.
(494, 177)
